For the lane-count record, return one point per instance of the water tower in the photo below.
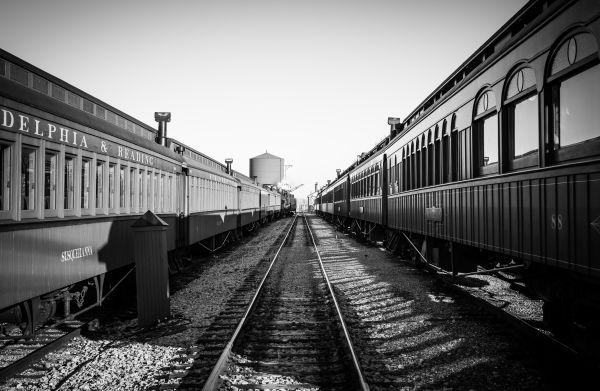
(267, 168)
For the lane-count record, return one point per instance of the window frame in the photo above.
(477, 133)
(8, 186)
(531, 159)
(71, 153)
(131, 187)
(103, 163)
(492, 168)
(55, 151)
(91, 177)
(582, 149)
(34, 145)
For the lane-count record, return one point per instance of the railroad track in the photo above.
(499, 299)
(17, 355)
(289, 336)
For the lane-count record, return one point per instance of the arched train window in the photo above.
(485, 131)
(574, 101)
(522, 128)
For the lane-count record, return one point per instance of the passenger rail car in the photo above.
(75, 174)
(500, 165)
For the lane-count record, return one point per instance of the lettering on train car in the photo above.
(20, 122)
(433, 214)
(76, 253)
(35, 126)
(135, 156)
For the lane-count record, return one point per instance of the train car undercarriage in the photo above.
(571, 305)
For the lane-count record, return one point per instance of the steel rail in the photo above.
(220, 365)
(23, 363)
(436, 268)
(363, 384)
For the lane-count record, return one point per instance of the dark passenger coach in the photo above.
(499, 167)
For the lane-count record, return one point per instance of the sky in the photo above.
(310, 81)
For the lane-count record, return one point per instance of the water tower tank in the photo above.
(267, 168)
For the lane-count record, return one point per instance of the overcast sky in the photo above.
(312, 82)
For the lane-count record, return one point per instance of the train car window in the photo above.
(163, 193)
(414, 165)
(445, 158)
(200, 200)
(85, 183)
(399, 172)
(373, 184)
(486, 134)
(170, 194)
(430, 164)
(408, 170)
(28, 161)
(5, 172)
(192, 187)
(403, 170)
(393, 184)
(140, 189)
(361, 190)
(112, 172)
(417, 165)
(205, 194)
(69, 183)
(454, 155)
(50, 176)
(122, 186)
(156, 193)
(522, 126)
(132, 193)
(100, 184)
(575, 92)
(438, 161)
(149, 191)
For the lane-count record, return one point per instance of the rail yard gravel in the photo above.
(411, 332)
(121, 356)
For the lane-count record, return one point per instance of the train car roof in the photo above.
(198, 157)
(41, 95)
(514, 30)
(14, 68)
(522, 23)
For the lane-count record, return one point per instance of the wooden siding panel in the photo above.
(497, 209)
(515, 218)
(470, 212)
(582, 227)
(505, 215)
(549, 213)
(593, 221)
(526, 237)
(480, 219)
(537, 219)
(489, 216)
(562, 219)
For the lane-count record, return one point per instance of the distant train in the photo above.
(499, 167)
(76, 173)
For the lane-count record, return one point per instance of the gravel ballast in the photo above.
(120, 356)
(412, 332)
